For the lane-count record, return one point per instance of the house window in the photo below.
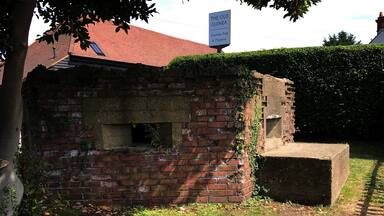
(96, 49)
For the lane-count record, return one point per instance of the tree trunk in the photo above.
(10, 91)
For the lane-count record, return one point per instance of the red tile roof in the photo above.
(138, 46)
(42, 53)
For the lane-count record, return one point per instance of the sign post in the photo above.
(220, 29)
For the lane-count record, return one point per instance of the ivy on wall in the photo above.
(247, 88)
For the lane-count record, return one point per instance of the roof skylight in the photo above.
(96, 49)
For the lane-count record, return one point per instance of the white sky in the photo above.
(266, 29)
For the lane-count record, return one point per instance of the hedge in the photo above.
(339, 90)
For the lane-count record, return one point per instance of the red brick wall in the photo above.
(289, 107)
(202, 169)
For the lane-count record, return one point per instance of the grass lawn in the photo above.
(363, 193)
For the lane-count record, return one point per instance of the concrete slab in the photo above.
(272, 144)
(307, 173)
(307, 150)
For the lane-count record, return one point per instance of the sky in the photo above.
(254, 29)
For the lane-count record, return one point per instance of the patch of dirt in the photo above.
(286, 209)
(92, 210)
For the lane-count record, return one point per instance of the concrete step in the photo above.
(307, 173)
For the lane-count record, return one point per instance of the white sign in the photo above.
(220, 28)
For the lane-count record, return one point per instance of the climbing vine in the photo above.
(246, 88)
(255, 159)
(153, 134)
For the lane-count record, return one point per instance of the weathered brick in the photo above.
(217, 124)
(198, 124)
(198, 162)
(191, 150)
(168, 169)
(219, 99)
(150, 182)
(213, 199)
(205, 118)
(217, 136)
(176, 85)
(201, 112)
(217, 186)
(201, 131)
(227, 154)
(159, 188)
(220, 174)
(207, 105)
(190, 143)
(168, 181)
(224, 105)
(201, 199)
(236, 199)
(204, 91)
(228, 168)
(224, 118)
(218, 193)
(127, 182)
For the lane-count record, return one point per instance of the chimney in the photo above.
(380, 22)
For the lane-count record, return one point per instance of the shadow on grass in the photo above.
(368, 205)
(372, 201)
(367, 150)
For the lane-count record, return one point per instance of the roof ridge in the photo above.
(140, 45)
(153, 31)
(170, 36)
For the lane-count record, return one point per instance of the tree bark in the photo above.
(10, 91)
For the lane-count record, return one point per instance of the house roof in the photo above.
(46, 54)
(379, 38)
(139, 46)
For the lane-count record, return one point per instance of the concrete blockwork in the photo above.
(278, 112)
(306, 173)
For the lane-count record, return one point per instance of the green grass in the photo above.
(252, 206)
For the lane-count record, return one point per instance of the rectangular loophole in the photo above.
(141, 135)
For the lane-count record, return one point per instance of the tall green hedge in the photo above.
(339, 90)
